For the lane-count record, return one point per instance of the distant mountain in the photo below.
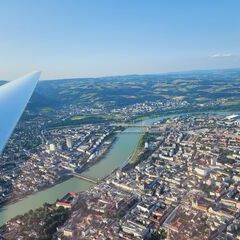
(195, 86)
(118, 91)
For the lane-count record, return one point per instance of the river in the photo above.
(121, 149)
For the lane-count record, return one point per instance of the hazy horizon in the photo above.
(72, 39)
(134, 74)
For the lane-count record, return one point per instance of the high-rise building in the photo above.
(59, 146)
(69, 142)
(52, 147)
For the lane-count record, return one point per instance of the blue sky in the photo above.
(82, 38)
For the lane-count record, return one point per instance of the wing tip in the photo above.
(34, 74)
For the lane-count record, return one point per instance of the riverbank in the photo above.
(116, 157)
(15, 200)
(169, 113)
(66, 177)
(138, 151)
(118, 153)
(99, 158)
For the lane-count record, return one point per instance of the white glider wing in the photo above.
(14, 97)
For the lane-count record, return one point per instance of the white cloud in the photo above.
(221, 55)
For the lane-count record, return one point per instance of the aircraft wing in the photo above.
(14, 97)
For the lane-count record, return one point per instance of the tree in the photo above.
(158, 235)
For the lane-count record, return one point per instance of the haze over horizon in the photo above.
(75, 39)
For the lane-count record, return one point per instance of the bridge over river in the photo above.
(136, 128)
(86, 178)
(131, 125)
(118, 154)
